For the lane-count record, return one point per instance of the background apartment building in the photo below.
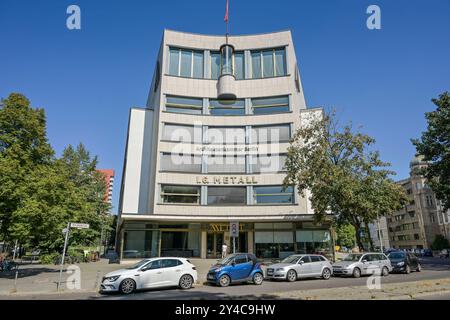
(417, 224)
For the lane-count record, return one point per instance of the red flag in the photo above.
(226, 13)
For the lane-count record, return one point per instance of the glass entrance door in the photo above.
(214, 242)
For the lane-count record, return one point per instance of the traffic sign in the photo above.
(79, 225)
(234, 229)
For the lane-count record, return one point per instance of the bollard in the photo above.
(96, 279)
(15, 280)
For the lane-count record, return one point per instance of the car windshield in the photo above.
(396, 255)
(138, 265)
(352, 257)
(226, 260)
(291, 259)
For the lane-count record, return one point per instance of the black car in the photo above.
(404, 262)
(427, 253)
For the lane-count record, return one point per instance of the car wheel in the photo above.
(356, 273)
(385, 272)
(291, 276)
(408, 269)
(258, 278)
(186, 281)
(224, 281)
(127, 286)
(326, 274)
(419, 267)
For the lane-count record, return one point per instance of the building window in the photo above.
(239, 65)
(184, 105)
(270, 105)
(180, 194)
(215, 65)
(416, 236)
(180, 243)
(138, 244)
(182, 133)
(432, 218)
(273, 63)
(172, 162)
(274, 244)
(226, 135)
(314, 242)
(271, 134)
(227, 107)
(186, 63)
(226, 164)
(273, 195)
(227, 196)
(269, 163)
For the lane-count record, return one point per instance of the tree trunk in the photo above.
(366, 225)
(357, 225)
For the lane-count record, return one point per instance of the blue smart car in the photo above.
(238, 267)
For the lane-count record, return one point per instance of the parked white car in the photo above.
(151, 273)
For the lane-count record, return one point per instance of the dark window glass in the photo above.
(172, 162)
(242, 258)
(198, 65)
(180, 194)
(268, 63)
(215, 65)
(306, 259)
(227, 195)
(169, 263)
(184, 105)
(185, 63)
(174, 62)
(155, 264)
(227, 107)
(273, 195)
(315, 259)
(270, 105)
(239, 65)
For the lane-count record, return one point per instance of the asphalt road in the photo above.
(433, 268)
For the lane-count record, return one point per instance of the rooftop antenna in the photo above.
(225, 19)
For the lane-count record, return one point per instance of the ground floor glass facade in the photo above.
(273, 240)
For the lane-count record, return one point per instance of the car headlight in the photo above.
(218, 270)
(400, 264)
(112, 279)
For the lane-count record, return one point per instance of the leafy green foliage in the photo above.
(40, 194)
(440, 242)
(345, 178)
(434, 146)
(346, 235)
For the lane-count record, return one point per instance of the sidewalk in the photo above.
(38, 278)
(392, 291)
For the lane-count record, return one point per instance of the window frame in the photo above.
(183, 106)
(191, 51)
(274, 63)
(270, 105)
(280, 194)
(196, 195)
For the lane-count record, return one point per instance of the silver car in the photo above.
(357, 264)
(300, 266)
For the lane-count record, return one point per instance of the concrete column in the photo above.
(203, 245)
(250, 241)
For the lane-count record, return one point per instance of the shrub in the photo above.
(49, 258)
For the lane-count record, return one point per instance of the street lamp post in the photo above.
(63, 255)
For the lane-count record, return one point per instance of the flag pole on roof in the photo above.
(225, 19)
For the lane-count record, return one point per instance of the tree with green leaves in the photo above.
(440, 242)
(434, 146)
(345, 179)
(40, 194)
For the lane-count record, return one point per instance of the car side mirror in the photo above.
(301, 262)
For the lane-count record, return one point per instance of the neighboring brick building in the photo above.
(109, 178)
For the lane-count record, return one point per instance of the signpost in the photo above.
(234, 233)
(66, 231)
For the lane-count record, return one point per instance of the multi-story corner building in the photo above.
(416, 225)
(109, 179)
(209, 149)
(379, 233)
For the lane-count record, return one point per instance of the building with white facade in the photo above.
(209, 149)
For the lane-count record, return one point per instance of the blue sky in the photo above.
(88, 79)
